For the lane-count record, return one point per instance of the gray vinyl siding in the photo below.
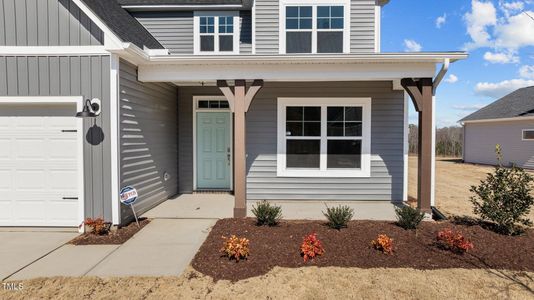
(481, 138)
(148, 140)
(174, 30)
(46, 23)
(387, 160)
(245, 34)
(267, 27)
(362, 26)
(87, 76)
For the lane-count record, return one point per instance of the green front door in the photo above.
(213, 150)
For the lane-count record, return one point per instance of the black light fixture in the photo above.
(89, 109)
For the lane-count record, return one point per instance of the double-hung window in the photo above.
(311, 28)
(216, 33)
(319, 137)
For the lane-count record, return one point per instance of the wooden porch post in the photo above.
(239, 101)
(420, 92)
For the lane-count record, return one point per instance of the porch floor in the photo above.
(219, 206)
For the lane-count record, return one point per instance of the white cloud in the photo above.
(516, 32)
(527, 72)
(501, 58)
(412, 46)
(452, 78)
(499, 89)
(511, 7)
(441, 20)
(471, 107)
(482, 15)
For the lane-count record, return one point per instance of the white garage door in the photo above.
(39, 165)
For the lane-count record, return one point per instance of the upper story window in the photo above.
(309, 28)
(216, 33)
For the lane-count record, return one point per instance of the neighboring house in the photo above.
(508, 122)
(182, 83)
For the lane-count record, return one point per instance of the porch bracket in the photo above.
(239, 100)
(421, 93)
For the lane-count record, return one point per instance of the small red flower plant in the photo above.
(454, 241)
(311, 247)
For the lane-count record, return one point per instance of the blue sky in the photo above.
(498, 35)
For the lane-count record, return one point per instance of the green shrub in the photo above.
(409, 217)
(267, 214)
(504, 197)
(338, 217)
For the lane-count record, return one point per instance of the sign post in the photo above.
(128, 196)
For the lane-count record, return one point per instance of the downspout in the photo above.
(437, 81)
(441, 75)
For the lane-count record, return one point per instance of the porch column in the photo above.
(420, 92)
(239, 101)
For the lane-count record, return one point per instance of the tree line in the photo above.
(449, 140)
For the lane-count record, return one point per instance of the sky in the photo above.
(497, 34)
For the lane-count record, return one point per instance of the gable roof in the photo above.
(516, 104)
(126, 27)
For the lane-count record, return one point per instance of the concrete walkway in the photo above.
(19, 249)
(163, 247)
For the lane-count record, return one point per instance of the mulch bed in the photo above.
(115, 237)
(350, 247)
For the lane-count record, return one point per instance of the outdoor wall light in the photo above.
(91, 109)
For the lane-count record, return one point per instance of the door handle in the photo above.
(70, 198)
(228, 155)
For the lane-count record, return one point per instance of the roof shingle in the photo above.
(516, 104)
(122, 23)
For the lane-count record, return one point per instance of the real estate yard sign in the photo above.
(128, 196)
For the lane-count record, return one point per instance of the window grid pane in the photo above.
(344, 121)
(344, 154)
(207, 24)
(303, 121)
(330, 17)
(298, 17)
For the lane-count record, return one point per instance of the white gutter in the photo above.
(441, 75)
(299, 59)
(519, 118)
(181, 7)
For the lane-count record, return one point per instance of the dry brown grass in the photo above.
(303, 283)
(453, 180)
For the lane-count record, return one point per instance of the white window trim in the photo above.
(523, 135)
(364, 171)
(216, 14)
(314, 4)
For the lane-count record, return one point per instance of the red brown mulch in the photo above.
(350, 247)
(115, 237)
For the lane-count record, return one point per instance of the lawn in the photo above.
(300, 283)
(453, 180)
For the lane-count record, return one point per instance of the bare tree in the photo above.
(449, 140)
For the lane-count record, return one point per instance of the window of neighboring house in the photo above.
(315, 29)
(528, 134)
(216, 34)
(324, 137)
